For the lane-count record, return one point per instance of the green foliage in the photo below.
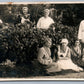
(21, 43)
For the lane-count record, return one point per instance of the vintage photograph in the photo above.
(42, 40)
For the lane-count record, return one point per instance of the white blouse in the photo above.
(44, 23)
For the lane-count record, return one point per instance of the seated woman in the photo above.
(64, 57)
(44, 57)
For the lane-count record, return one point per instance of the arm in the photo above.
(42, 58)
(79, 32)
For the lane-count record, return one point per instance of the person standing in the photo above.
(81, 36)
(45, 21)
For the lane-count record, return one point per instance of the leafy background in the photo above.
(21, 44)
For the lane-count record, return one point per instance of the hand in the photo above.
(50, 60)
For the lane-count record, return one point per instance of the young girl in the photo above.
(45, 22)
(64, 57)
(77, 49)
(76, 52)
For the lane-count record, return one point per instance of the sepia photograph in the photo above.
(42, 41)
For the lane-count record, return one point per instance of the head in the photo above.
(25, 10)
(46, 12)
(47, 42)
(77, 43)
(64, 42)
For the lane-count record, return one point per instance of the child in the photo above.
(25, 18)
(77, 49)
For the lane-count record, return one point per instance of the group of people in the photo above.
(43, 23)
(63, 54)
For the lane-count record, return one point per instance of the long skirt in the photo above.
(68, 64)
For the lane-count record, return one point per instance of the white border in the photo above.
(45, 2)
(43, 78)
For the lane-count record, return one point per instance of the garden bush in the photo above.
(21, 43)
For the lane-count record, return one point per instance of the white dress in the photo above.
(65, 62)
(44, 58)
(44, 23)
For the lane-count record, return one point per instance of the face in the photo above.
(77, 43)
(48, 43)
(46, 13)
(25, 10)
(64, 44)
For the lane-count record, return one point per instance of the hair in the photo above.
(22, 9)
(64, 40)
(47, 39)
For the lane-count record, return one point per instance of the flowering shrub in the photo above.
(21, 43)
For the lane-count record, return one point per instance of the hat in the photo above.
(64, 41)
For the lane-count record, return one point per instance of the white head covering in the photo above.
(64, 41)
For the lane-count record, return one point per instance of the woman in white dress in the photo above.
(64, 57)
(45, 21)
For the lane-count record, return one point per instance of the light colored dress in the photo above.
(44, 58)
(64, 60)
(44, 23)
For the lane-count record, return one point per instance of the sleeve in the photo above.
(39, 23)
(40, 56)
(1, 21)
(79, 32)
(52, 21)
(22, 20)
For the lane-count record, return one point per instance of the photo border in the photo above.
(42, 78)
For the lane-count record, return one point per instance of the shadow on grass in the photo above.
(23, 71)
